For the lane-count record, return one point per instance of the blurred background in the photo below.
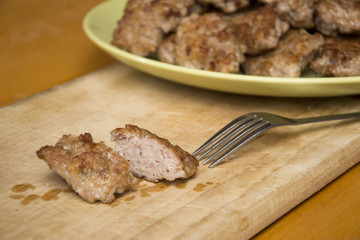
(31, 34)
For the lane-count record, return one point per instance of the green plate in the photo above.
(100, 22)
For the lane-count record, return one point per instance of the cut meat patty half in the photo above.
(295, 50)
(151, 157)
(339, 57)
(93, 170)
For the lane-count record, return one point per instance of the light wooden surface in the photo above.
(237, 199)
(42, 45)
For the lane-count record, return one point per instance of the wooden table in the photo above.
(42, 45)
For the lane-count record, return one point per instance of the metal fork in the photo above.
(245, 128)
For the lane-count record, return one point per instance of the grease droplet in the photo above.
(180, 184)
(129, 198)
(51, 194)
(17, 196)
(115, 203)
(29, 199)
(199, 187)
(158, 187)
(22, 187)
(68, 190)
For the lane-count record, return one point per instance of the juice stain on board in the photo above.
(50, 195)
(201, 187)
(144, 189)
(23, 187)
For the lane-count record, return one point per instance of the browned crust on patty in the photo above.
(144, 23)
(295, 50)
(207, 42)
(339, 57)
(258, 30)
(93, 170)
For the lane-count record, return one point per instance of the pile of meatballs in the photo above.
(278, 38)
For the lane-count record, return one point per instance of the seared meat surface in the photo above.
(299, 13)
(338, 16)
(151, 157)
(145, 22)
(208, 42)
(294, 52)
(167, 49)
(227, 6)
(258, 30)
(93, 170)
(338, 57)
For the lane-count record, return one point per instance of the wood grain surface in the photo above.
(235, 200)
(43, 45)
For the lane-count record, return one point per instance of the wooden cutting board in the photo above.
(237, 199)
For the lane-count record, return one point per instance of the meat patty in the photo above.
(227, 6)
(299, 13)
(167, 50)
(293, 53)
(152, 157)
(338, 57)
(258, 30)
(145, 22)
(338, 16)
(93, 170)
(198, 9)
(208, 42)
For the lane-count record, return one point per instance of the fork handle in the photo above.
(327, 118)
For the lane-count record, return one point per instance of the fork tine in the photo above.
(242, 124)
(237, 137)
(220, 133)
(264, 127)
